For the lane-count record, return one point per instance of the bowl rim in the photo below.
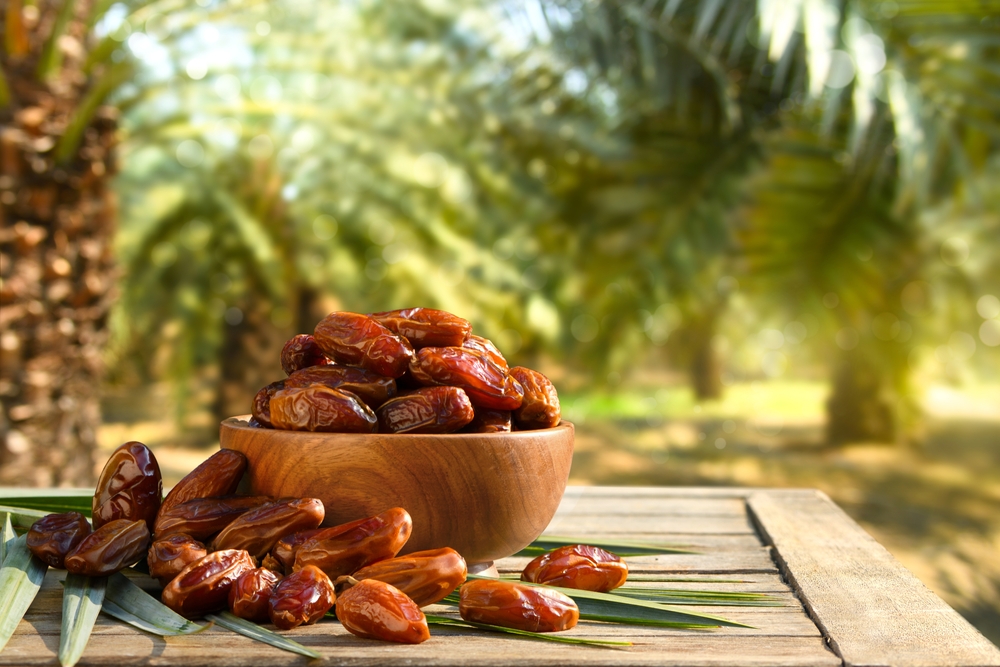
(241, 422)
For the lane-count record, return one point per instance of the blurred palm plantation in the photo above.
(702, 218)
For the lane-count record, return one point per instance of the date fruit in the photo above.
(54, 536)
(112, 547)
(319, 408)
(204, 517)
(284, 550)
(426, 410)
(372, 388)
(259, 529)
(169, 555)
(425, 327)
(540, 408)
(218, 475)
(376, 610)
(517, 606)
(302, 597)
(358, 340)
(485, 347)
(129, 487)
(487, 385)
(301, 351)
(250, 592)
(351, 546)
(424, 576)
(489, 421)
(203, 586)
(260, 409)
(578, 566)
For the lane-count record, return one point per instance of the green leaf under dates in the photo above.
(82, 599)
(20, 578)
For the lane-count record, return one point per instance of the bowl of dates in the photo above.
(411, 409)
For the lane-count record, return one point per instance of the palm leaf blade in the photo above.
(20, 578)
(135, 603)
(240, 626)
(82, 599)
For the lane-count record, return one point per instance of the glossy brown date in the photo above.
(487, 385)
(425, 327)
(301, 351)
(54, 536)
(284, 549)
(204, 517)
(249, 594)
(423, 576)
(260, 409)
(372, 388)
(259, 529)
(578, 566)
(203, 586)
(351, 546)
(218, 475)
(485, 347)
(129, 487)
(169, 555)
(319, 408)
(112, 547)
(426, 410)
(358, 340)
(489, 421)
(376, 610)
(517, 606)
(540, 408)
(301, 598)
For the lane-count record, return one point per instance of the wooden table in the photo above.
(848, 602)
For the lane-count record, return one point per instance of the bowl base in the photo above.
(487, 569)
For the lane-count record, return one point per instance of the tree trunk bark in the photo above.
(56, 265)
(860, 407)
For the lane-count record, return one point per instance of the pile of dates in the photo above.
(416, 370)
(268, 560)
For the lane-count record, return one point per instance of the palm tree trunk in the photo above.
(56, 265)
(860, 408)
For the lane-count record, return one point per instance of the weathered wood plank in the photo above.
(873, 610)
(217, 648)
(627, 524)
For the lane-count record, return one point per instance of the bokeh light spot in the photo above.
(774, 364)
(233, 316)
(197, 68)
(263, 28)
(841, 71)
(260, 147)
(962, 345)
(720, 443)
(989, 333)
(795, 332)
(325, 227)
(190, 153)
(885, 326)
(954, 251)
(847, 338)
(771, 339)
(916, 297)
(988, 306)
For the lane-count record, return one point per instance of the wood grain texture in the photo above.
(874, 611)
(484, 495)
(731, 561)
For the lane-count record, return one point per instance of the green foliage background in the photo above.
(601, 184)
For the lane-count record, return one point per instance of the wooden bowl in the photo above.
(486, 495)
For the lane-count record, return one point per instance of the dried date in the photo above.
(112, 547)
(203, 586)
(540, 408)
(129, 487)
(487, 385)
(489, 421)
(485, 347)
(259, 529)
(302, 597)
(517, 606)
(426, 410)
(169, 555)
(54, 536)
(425, 327)
(218, 475)
(351, 546)
(204, 517)
(424, 576)
(319, 408)
(260, 409)
(284, 549)
(249, 594)
(372, 388)
(376, 610)
(301, 351)
(578, 566)
(358, 340)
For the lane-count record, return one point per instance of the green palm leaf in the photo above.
(21, 576)
(82, 599)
